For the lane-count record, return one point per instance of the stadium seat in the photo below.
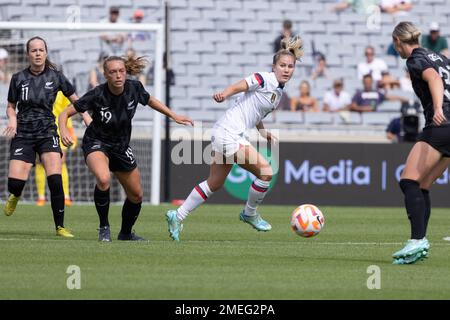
(378, 118)
(389, 106)
(288, 117)
(347, 118)
(318, 118)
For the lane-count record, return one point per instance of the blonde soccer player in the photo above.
(262, 94)
(430, 156)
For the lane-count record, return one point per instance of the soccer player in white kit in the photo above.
(262, 94)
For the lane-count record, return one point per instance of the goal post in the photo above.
(17, 33)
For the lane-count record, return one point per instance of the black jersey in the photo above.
(112, 114)
(34, 96)
(420, 60)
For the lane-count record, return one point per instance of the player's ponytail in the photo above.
(407, 33)
(290, 46)
(135, 65)
(48, 63)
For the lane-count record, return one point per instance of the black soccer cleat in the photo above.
(104, 234)
(129, 237)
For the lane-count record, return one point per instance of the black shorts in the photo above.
(25, 149)
(122, 161)
(438, 138)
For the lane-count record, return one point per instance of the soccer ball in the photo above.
(307, 220)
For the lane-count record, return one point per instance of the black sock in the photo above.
(130, 213)
(426, 197)
(15, 186)
(101, 199)
(57, 198)
(415, 207)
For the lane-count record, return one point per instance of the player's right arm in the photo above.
(235, 88)
(11, 128)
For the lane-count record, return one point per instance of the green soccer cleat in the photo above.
(411, 259)
(255, 221)
(175, 226)
(414, 250)
(11, 204)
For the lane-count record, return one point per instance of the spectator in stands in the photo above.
(5, 76)
(286, 33)
(396, 7)
(434, 41)
(114, 40)
(368, 99)
(136, 36)
(357, 6)
(321, 70)
(337, 100)
(304, 102)
(96, 75)
(388, 82)
(373, 66)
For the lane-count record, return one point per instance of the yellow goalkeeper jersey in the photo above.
(61, 102)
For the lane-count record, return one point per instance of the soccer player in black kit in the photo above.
(106, 140)
(33, 130)
(430, 156)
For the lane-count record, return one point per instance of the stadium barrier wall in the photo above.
(341, 174)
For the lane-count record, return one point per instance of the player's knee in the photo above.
(266, 174)
(136, 197)
(103, 182)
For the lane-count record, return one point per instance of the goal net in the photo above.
(77, 49)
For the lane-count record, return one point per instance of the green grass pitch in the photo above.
(220, 257)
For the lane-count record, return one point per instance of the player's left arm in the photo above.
(161, 107)
(436, 87)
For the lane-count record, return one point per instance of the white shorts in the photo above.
(227, 143)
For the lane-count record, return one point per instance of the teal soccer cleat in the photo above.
(255, 221)
(175, 226)
(413, 251)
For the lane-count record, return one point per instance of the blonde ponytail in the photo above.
(407, 33)
(290, 46)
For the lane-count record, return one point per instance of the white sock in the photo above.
(198, 195)
(256, 194)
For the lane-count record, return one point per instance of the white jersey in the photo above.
(263, 96)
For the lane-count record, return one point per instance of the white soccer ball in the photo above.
(307, 220)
